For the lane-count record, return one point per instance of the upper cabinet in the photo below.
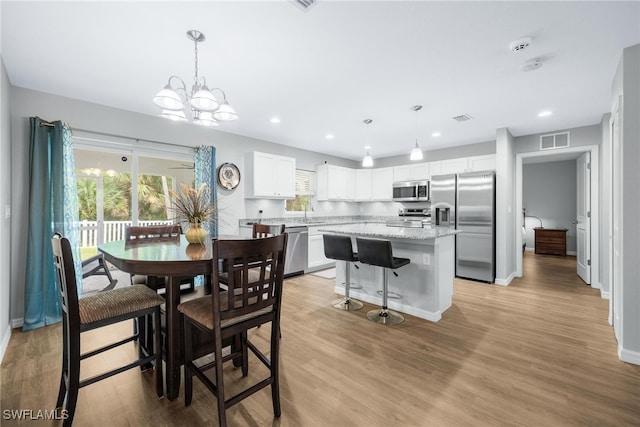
(270, 176)
(482, 163)
(335, 183)
(454, 166)
(363, 185)
(415, 171)
(464, 164)
(382, 184)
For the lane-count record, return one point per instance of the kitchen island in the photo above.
(425, 286)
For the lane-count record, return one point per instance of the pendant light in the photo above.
(367, 161)
(416, 152)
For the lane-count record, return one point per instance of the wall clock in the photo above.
(228, 176)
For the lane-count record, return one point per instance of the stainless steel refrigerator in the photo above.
(466, 202)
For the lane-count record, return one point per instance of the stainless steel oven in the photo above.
(411, 191)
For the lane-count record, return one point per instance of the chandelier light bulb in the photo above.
(168, 99)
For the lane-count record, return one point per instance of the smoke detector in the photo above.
(531, 65)
(520, 44)
(462, 118)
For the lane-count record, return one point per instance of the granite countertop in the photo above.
(315, 221)
(382, 231)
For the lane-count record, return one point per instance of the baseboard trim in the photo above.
(529, 249)
(17, 323)
(572, 253)
(394, 305)
(629, 356)
(507, 281)
(605, 294)
(5, 342)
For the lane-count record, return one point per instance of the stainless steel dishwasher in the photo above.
(297, 248)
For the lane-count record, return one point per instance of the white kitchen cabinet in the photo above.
(363, 185)
(316, 259)
(415, 171)
(435, 168)
(270, 176)
(481, 163)
(382, 184)
(454, 166)
(335, 183)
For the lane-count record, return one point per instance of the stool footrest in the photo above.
(392, 295)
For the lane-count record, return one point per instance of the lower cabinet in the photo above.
(316, 259)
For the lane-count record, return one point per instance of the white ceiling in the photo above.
(327, 69)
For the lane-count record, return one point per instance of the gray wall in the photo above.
(549, 192)
(585, 135)
(630, 227)
(84, 116)
(479, 149)
(5, 201)
(505, 206)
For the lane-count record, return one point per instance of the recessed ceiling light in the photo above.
(329, 136)
(274, 120)
(436, 134)
(544, 113)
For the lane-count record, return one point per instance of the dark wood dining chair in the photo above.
(231, 310)
(263, 230)
(103, 309)
(151, 234)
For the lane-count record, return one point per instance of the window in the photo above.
(305, 181)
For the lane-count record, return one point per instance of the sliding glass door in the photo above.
(118, 187)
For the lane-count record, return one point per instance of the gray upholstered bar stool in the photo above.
(379, 252)
(340, 248)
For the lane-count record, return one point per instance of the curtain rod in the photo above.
(129, 137)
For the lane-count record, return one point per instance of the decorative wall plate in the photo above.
(228, 176)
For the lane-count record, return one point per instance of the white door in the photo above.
(583, 220)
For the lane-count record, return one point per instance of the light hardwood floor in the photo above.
(536, 353)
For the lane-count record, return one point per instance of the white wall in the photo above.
(5, 201)
(549, 193)
(505, 207)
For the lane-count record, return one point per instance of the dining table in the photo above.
(173, 259)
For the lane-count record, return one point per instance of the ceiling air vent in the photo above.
(305, 4)
(462, 118)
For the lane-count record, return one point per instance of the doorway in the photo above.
(562, 154)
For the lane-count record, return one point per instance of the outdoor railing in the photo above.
(111, 230)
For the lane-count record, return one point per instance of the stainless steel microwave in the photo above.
(411, 191)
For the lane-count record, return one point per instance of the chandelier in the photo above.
(204, 107)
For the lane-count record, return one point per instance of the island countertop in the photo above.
(384, 232)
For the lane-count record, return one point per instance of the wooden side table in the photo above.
(551, 241)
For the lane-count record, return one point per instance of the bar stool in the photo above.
(339, 248)
(379, 252)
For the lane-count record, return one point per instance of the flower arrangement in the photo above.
(192, 205)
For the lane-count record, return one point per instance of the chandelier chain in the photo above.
(195, 52)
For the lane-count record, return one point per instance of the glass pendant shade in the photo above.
(168, 99)
(205, 118)
(225, 113)
(177, 115)
(204, 100)
(367, 161)
(416, 153)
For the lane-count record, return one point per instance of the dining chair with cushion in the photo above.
(151, 234)
(89, 313)
(231, 310)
